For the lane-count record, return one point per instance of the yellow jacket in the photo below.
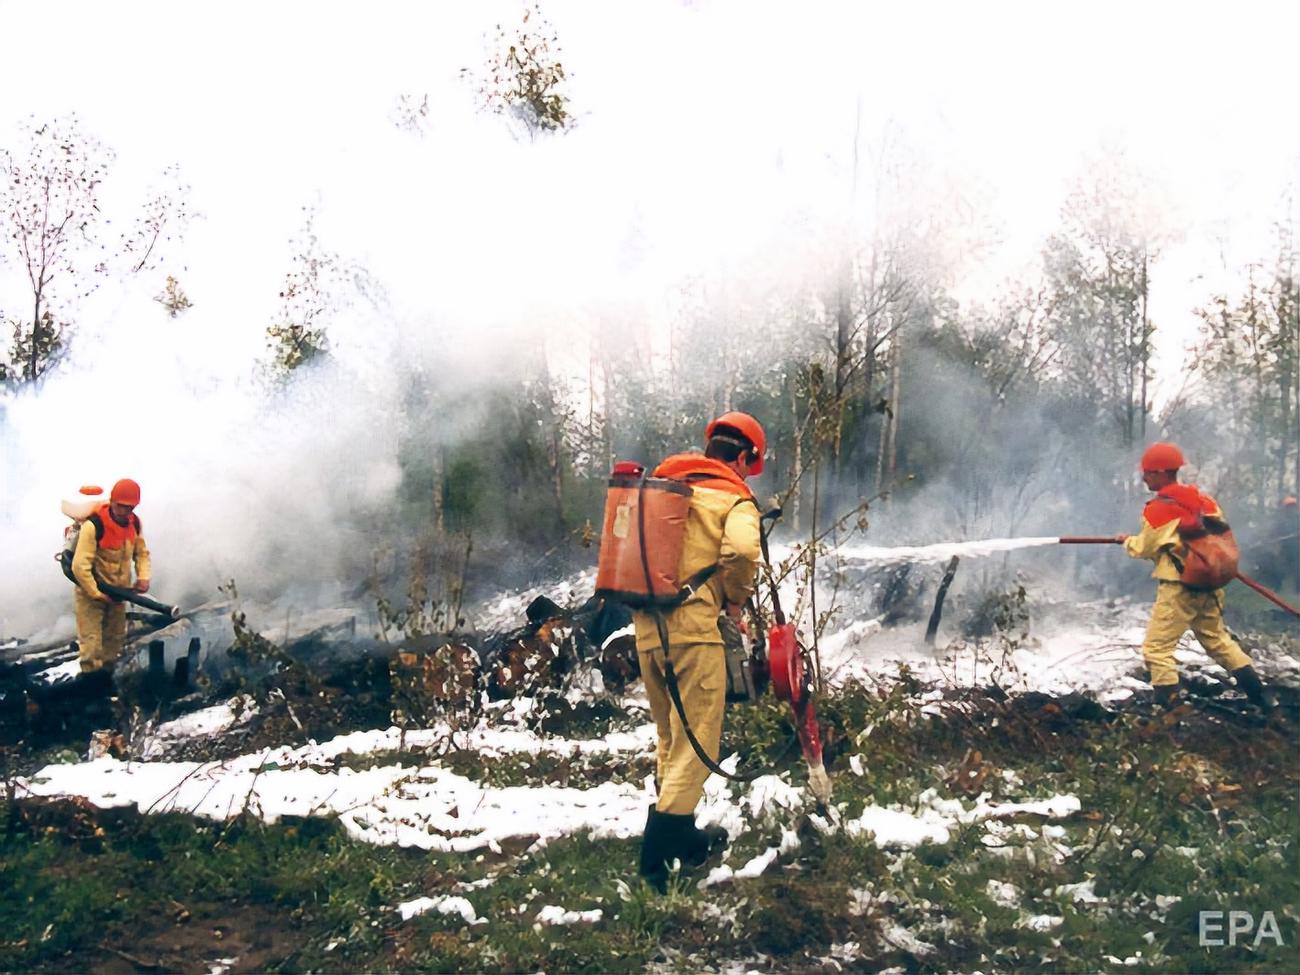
(1158, 539)
(110, 558)
(721, 528)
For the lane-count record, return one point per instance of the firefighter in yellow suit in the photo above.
(722, 529)
(1179, 608)
(110, 545)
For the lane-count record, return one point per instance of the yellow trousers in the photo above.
(701, 670)
(101, 631)
(1178, 609)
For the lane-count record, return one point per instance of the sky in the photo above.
(710, 137)
(701, 127)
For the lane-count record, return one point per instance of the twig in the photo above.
(147, 966)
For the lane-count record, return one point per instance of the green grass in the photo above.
(1201, 817)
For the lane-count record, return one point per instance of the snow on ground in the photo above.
(64, 671)
(550, 914)
(1088, 647)
(1094, 647)
(443, 905)
(428, 808)
(206, 721)
(431, 807)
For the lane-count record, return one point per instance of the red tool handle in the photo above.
(1268, 594)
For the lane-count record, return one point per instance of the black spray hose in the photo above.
(117, 592)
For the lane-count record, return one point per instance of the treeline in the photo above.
(1027, 414)
(872, 380)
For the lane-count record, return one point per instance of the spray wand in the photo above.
(1263, 590)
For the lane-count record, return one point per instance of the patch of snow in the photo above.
(64, 671)
(443, 905)
(430, 808)
(1057, 807)
(905, 940)
(891, 827)
(550, 914)
(754, 867)
(207, 721)
(848, 951)
(1007, 895)
(1081, 893)
(1040, 922)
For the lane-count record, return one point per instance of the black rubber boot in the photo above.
(701, 844)
(690, 844)
(654, 850)
(1168, 696)
(1259, 695)
(674, 838)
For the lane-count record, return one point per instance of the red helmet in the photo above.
(125, 491)
(747, 427)
(1162, 457)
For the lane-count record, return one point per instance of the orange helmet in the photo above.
(125, 491)
(747, 427)
(1162, 457)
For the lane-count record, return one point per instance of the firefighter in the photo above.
(109, 544)
(1178, 607)
(722, 529)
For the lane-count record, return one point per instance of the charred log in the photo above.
(937, 614)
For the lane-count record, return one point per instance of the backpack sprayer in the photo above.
(1210, 555)
(641, 547)
(1204, 564)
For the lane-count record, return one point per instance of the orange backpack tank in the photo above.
(1212, 553)
(642, 538)
(1212, 556)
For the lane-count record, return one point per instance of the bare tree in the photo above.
(50, 211)
(50, 205)
(163, 218)
(297, 334)
(524, 76)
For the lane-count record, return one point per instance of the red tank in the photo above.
(636, 508)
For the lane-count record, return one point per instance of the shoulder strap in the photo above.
(99, 526)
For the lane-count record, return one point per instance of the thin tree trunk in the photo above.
(436, 499)
(887, 454)
(798, 455)
(843, 357)
(1145, 353)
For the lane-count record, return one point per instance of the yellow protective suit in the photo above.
(721, 528)
(1177, 608)
(101, 626)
